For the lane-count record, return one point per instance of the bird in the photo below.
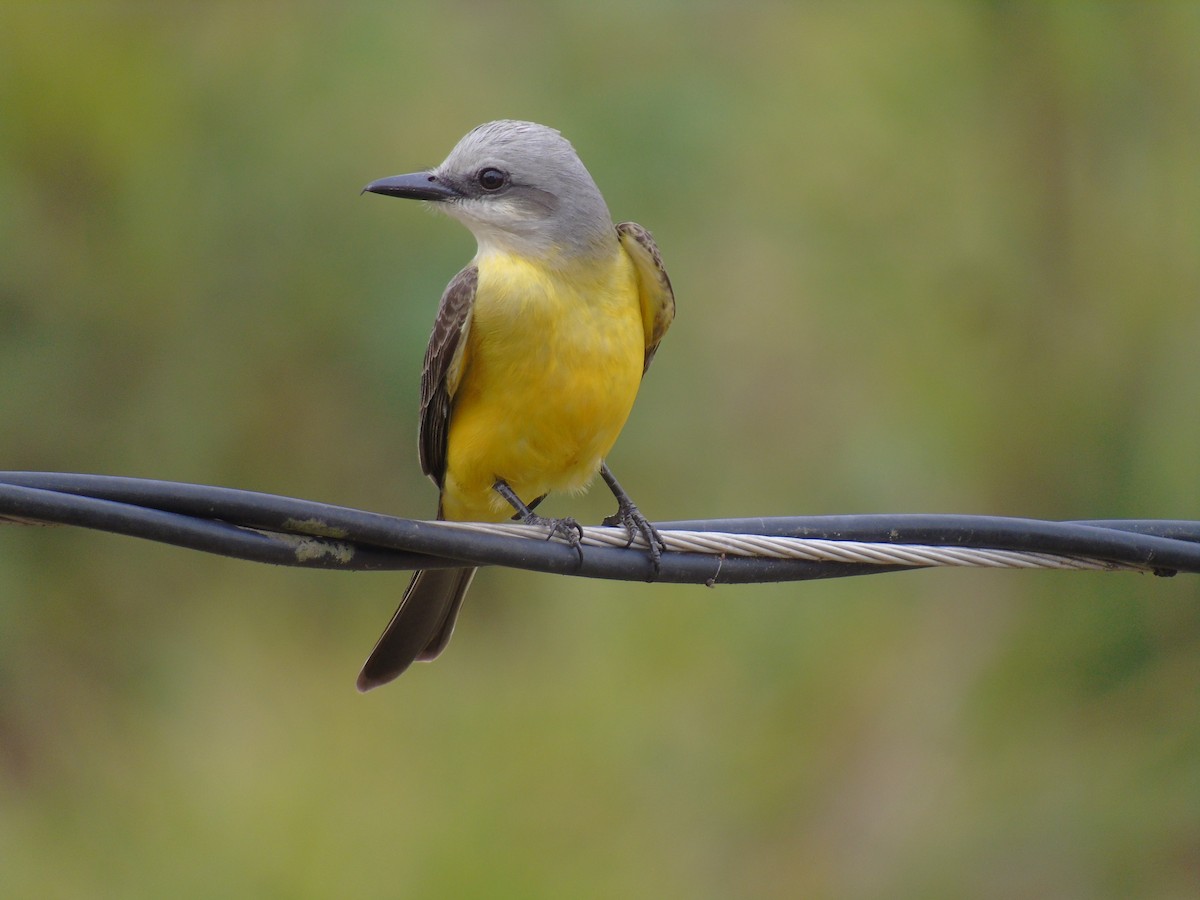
(538, 349)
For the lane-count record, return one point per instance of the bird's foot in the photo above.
(566, 528)
(629, 517)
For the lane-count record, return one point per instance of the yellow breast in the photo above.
(551, 369)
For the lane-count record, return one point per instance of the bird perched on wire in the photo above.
(536, 356)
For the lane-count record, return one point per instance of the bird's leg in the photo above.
(629, 517)
(568, 529)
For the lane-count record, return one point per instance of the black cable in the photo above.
(365, 541)
(286, 531)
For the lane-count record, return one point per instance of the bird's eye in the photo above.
(491, 179)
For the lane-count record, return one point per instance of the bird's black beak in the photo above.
(417, 186)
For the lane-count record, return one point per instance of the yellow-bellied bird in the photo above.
(536, 356)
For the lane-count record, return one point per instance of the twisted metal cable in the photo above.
(288, 531)
(811, 549)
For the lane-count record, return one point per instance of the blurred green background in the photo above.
(928, 257)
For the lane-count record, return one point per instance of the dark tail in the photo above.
(421, 627)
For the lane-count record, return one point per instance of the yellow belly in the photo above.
(550, 374)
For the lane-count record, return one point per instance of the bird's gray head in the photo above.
(520, 187)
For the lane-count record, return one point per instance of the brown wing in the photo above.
(443, 367)
(658, 299)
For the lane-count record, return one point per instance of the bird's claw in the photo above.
(629, 517)
(566, 528)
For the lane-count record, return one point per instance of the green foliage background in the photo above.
(929, 257)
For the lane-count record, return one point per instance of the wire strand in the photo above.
(288, 531)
